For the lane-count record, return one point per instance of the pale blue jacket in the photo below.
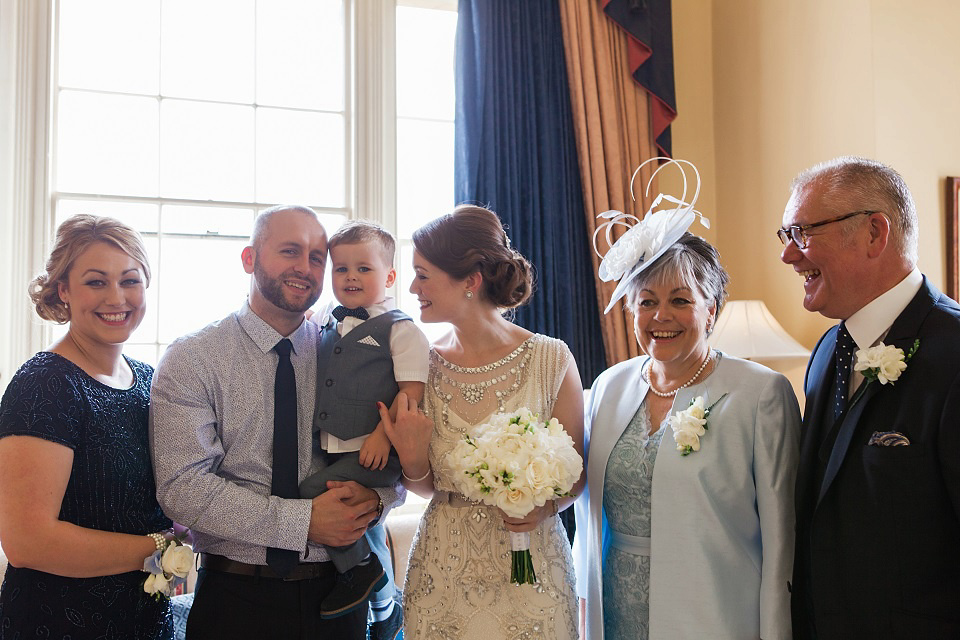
(722, 529)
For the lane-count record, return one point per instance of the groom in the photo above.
(878, 486)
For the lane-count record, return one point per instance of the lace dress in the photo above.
(458, 577)
(627, 490)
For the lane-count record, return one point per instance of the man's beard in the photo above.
(272, 290)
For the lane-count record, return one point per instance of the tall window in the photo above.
(185, 118)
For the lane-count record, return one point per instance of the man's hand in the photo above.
(375, 449)
(342, 514)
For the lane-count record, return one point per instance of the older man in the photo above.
(232, 407)
(878, 488)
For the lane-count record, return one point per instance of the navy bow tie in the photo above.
(341, 312)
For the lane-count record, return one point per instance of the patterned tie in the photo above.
(285, 464)
(342, 312)
(845, 348)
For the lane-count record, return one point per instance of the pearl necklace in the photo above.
(645, 374)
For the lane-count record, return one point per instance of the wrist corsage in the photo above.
(168, 566)
(690, 424)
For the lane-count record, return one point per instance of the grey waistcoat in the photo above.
(352, 376)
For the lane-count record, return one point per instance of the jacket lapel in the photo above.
(848, 426)
(902, 334)
(618, 404)
(817, 386)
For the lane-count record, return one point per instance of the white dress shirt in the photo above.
(870, 325)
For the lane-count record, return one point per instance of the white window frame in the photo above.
(26, 126)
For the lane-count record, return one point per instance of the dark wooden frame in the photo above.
(953, 237)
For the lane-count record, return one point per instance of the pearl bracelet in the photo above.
(159, 540)
(423, 477)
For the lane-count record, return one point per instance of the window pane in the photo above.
(207, 151)
(106, 144)
(300, 54)
(300, 157)
(212, 221)
(112, 45)
(142, 352)
(425, 40)
(147, 331)
(207, 49)
(198, 291)
(142, 217)
(424, 173)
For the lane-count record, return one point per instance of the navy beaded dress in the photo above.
(111, 488)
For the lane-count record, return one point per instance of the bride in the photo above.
(458, 578)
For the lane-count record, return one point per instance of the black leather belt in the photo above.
(303, 571)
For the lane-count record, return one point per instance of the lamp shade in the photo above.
(747, 329)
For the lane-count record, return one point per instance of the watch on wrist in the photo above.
(379, 508)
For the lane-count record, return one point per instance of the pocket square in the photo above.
(369, 341)
(888, 439)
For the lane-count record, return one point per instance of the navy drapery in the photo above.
(649, 24)
(516, 154)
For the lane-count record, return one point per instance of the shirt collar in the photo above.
(872, 322)
(265, 336)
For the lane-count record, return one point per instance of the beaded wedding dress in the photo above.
(458, 577)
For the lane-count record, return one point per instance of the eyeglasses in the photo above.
(798, 233)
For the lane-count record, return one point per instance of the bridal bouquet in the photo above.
(516, 462)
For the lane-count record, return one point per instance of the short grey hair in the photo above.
(869, 185)
(263, 220)
(694, 262)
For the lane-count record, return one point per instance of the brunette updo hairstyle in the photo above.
(472, 240)
(74, 236)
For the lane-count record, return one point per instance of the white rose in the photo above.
(686, 438)
(696, 408)
(516, 503)
(886, 359)
(537, 474)
(684, 421)
(178, 560)
(157, 583)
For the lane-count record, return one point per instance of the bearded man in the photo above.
(231, 437)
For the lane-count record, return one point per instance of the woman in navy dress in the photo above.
(77, 495)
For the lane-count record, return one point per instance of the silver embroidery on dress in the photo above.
(458, 577)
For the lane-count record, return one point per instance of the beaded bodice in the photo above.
(476, 392)
(459, 398)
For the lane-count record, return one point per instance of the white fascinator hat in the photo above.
(645, 240)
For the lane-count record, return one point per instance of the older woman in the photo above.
(77, 495)
(686, 530)
(458, 579)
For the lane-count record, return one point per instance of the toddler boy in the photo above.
(368, 352)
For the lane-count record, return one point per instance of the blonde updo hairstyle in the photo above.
(74, 236)
(472, 240)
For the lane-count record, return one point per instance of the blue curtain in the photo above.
(516, 154)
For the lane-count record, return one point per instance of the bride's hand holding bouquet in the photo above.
(520, 465)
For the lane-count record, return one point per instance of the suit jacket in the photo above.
(878, 542)
(722, 518)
